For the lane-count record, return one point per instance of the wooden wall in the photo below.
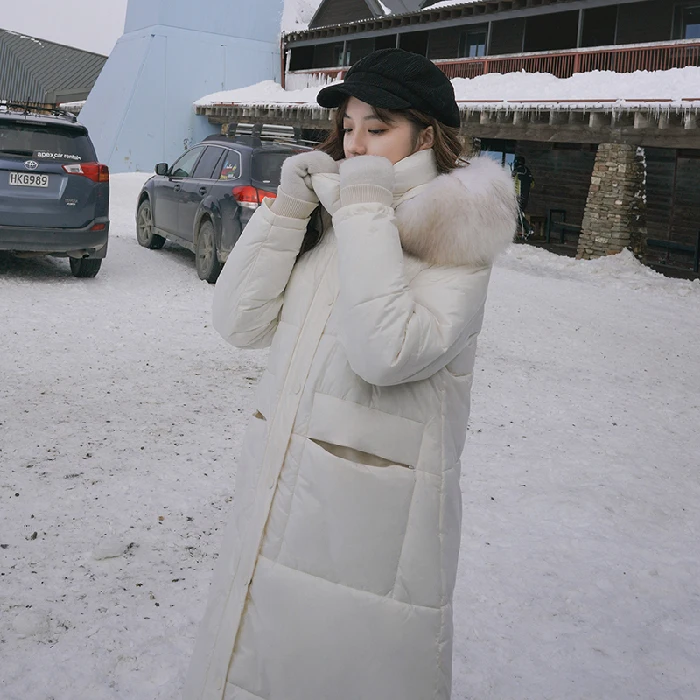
(686, 204)
(551, 32)
(444, 43)
(324, 55)
(507, 36)
(673, 205)
(661, 163)
(645, 21)
(340, 12)
(562, 178)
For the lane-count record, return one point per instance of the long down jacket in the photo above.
(336, 576)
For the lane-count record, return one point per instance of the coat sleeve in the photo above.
(250, 290)
(393, 330)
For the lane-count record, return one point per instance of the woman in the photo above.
(336, 577)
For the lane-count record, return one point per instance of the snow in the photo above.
(121, 416)
(678, 87)
(297, 14)
(383, 7)
(24, 36)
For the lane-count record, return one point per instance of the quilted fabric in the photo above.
(337, 570)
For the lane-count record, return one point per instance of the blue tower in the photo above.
(173, 52)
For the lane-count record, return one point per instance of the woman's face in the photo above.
(366, 135)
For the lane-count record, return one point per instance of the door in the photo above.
(195, 189)
(167, 191)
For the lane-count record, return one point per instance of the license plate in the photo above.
(29, 180)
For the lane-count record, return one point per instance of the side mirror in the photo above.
(162, 169)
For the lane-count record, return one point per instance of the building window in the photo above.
(338, 55)
(472, 43)
(690, 22)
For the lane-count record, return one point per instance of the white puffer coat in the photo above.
(336, 576)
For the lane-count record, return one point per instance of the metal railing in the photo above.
(563, 64)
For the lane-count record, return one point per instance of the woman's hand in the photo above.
(295, 179)
(366, 179)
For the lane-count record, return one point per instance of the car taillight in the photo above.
(93, 171)
(251, 197)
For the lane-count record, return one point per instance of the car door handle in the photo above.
(202, 190)
(177, 188)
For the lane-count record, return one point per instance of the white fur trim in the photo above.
(466, 217)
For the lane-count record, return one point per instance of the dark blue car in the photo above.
(54, 195)
(207, 196)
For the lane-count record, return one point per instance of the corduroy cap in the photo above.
(397, 79)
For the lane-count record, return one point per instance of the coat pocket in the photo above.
(347, 521)
(364, 435)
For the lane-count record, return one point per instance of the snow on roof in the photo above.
(297, 14)
(672, 88)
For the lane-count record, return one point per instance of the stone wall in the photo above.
(615, 215)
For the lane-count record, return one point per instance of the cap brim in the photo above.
(334, 95)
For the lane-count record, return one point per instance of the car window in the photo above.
(184, 165)
(231, 169)
(46, 142)
(208, 162)
(266, 166)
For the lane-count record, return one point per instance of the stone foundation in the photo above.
(615, 215)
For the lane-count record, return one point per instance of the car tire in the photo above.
(144, 227)
(208, 265)
(85, 267)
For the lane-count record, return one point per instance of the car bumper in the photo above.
(77, 242)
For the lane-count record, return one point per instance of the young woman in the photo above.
(337, 571)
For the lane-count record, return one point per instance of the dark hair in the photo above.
(447, 145)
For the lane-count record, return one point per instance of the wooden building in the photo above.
(609, 175)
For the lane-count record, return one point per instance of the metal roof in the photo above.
(36, 70)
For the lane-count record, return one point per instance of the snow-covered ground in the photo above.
(121, 415)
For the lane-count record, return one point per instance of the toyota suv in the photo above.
(54, 195)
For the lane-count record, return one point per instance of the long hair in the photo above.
(447, 147)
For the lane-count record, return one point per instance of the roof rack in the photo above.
(27, 108)
(256, 134)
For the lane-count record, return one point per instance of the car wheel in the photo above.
(208, 265)
(144, 227)
(85, 267)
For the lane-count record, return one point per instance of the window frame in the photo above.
(464, 43)
(679, 21)
(171, 170)
(213, 147)
(240, 165)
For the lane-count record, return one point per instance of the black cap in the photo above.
(397, 79)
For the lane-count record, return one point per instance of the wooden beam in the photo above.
(674, 130)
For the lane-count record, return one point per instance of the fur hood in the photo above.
(466, 217)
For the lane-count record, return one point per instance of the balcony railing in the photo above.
(563, 64)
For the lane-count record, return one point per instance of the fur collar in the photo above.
(466, 217)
